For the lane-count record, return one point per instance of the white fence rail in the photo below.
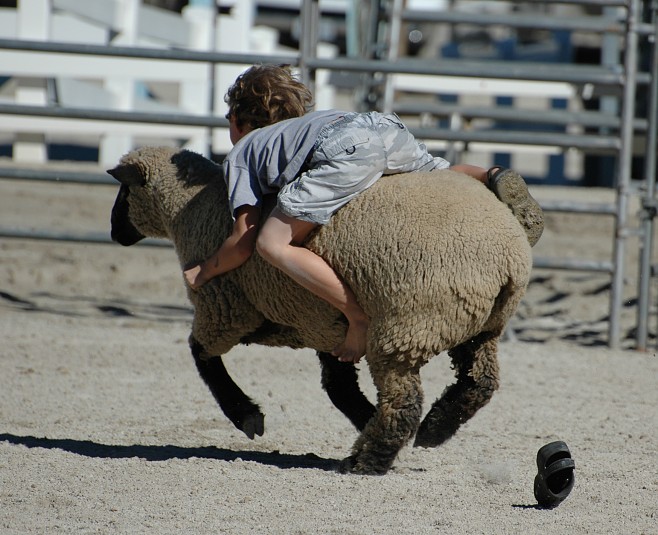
(123, 84)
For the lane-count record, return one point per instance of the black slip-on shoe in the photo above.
(555, 477)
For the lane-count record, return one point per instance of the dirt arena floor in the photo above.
(105, 426)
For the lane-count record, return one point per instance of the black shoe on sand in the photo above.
(555, 474)
(512, 190)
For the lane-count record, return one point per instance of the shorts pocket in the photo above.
(392, 119)
(346, 144)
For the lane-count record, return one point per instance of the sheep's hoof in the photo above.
(350, 465)
(432, 440)
(435, 430)
(347, 464)
(424, 442)
(252, 425)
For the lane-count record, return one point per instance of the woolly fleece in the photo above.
(433, 258)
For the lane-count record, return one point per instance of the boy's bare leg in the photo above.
(278, 243)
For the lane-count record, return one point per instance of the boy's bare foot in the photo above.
(194, 277)
(354, 345)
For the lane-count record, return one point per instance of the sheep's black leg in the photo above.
(341, 383)
(237, 406)
(399, 407)
(476, 367)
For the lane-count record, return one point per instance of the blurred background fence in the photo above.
(563, 92)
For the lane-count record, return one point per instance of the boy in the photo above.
(315, 162)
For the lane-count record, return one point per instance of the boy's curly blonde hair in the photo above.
(266, 94)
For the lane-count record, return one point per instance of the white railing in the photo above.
(123, 84)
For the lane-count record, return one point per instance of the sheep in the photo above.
(435, 260)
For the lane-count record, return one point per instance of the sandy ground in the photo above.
(105, 426)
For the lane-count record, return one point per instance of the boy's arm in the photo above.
(479, 173)
(234, 252)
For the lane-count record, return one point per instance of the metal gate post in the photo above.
(308, 42)
(624, 172)
(394, 29)
(649, 205)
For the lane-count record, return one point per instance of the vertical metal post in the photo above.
(308, 42)
(648, 201)
(213, 73)
(624, 172)
(609, 58)
(352, 30)
(372, 46)
(394, 29)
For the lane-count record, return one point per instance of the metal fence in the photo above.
(617, 132)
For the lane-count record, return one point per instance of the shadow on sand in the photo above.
(88, 448)
(83, 306)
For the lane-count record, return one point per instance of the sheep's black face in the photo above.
(123, 231)
(141, 209)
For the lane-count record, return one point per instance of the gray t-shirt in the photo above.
(268, 158)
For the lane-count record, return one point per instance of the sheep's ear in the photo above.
(128, 175)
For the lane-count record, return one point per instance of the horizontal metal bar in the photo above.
(57, 175)
(531, 116)
(595, 142)
(506, 70)
(114, 115)
(572, 264)
(515, 20)
(104, 238)
(561, 117)
(171, 54)
(579, 207)
(510, 113)
(609, 3)
(514, 70)
(584, 142)
(81, 237)
(91, 178)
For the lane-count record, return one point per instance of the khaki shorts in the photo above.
(349, 156)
